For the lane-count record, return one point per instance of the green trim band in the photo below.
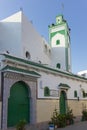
(44, 67)
(64, 85)
(22, 71)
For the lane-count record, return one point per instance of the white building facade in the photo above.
(35, 75)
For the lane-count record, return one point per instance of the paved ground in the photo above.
(76, 126)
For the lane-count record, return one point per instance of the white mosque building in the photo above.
(35, 74)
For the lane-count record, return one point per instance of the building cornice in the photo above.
(41, 67)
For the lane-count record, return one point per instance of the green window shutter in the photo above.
(84, 95)
(58, 65)
(75, 93)
(46, 91)
(57, 42)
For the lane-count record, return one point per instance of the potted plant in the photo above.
(69, 117)
(62, 120)
(84, 115)
(54, 118)
(51, 125)
(58, 120)
(21, 125)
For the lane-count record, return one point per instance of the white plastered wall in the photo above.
(10, 32)
(34, 43)
(58, 51)
(52, 81)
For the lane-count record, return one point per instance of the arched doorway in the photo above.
(18, 104)
(62, 102)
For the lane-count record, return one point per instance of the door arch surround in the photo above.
(18, 103)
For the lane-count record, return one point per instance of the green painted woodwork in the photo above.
(54, 33)
(83, 94)
(58, 65)
(66, 86)
(46, 91)
(75, 93)
(18, 104)
(27, 72)
(62, 102)
(57, 42)
(62, 32)
(36, 65)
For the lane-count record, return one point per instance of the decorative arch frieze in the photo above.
(11, 78)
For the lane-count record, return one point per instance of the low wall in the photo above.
(45, 109)
(77, 106)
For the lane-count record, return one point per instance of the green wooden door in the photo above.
(18, 104)
(62, 102)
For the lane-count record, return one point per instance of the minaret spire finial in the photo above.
(62, 7)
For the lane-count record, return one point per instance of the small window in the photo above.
(46, 91)
(27, 54)
(7, 52)
(39, 61)
(58, 65)
(45, 47)
(75, 93)
(85, 94)
(57, 42)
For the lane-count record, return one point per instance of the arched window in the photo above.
(45, 48)
(27, 54)
(46, 91)
(57, 42)
(75, 93)
(58, 65)
(84, 94)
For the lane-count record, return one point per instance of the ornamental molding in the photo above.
(18, 76)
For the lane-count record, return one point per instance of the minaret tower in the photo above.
(59, 39)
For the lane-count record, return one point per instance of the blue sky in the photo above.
(43, 12)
